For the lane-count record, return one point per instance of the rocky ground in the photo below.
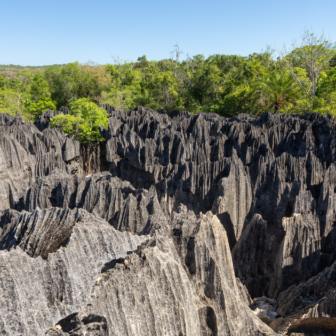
(188, 225)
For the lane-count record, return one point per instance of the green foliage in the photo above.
(39, 87)
(26, 94)
(326, 105)
(70, 82)
(12, 102)
(332, 62)
(278, 89)
(141, 62)
(314, 55)
(223, 84)
(300, 106)
(3, 82)
(328, 83)
(42, 105)
(83, 122)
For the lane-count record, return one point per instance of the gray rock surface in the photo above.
(49, 261)
(117, 201)
(27, 153)
(168, 287)
(265, 307)
(315, 298)
(43, 121)
(270, 181)
(274, 166)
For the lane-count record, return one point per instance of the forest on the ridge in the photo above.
(224, 84)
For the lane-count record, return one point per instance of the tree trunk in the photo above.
(98, 156)
(87, 161)
(91, 160)
(89, 164)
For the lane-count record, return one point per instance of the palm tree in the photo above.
(278, 89)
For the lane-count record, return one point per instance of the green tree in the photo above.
(278, 89)
(328, 83)
(3, 82)
(240, 81)
(35, 109)
(12, 102)
(164, 87)
(332, 62)
(20, 81)
(39, 87)
(313, 54)
(224, 84)
(145, 98)
(39, 100)
(141, 62)
(83, 124)
(207, 83)
(125, 84)
(71, 81)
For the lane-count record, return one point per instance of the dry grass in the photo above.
(10, 70)
(314, 326)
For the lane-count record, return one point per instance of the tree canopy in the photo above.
(83, 122)
(224, 84)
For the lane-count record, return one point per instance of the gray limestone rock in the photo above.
(313, 298)
(26, 153)
(44, 119)
(265, 307)
(233, 200)
(117, 201)
(49, 261)
(179, 285)
(270, 180)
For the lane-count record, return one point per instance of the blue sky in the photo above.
(56, 32)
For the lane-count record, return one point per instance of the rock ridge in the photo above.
(193, 213)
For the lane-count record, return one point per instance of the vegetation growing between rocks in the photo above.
(83, 123)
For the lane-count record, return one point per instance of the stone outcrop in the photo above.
(117, 201)
(186, 221)
(275, 166)
(313, 299)
(265, 308)
(27, 153)
(49, 261)
(43, 122)
(170, 287)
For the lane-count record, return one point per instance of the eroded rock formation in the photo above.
(187, 218)
(49, 261)
(167, 287)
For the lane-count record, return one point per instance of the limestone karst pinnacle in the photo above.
(184, 221)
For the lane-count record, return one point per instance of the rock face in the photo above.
(49, 261)
(189, 217)
(117, 201)
(27, 153)
(43, 121)
(163, 289)
(310, 300)
(276, 166)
